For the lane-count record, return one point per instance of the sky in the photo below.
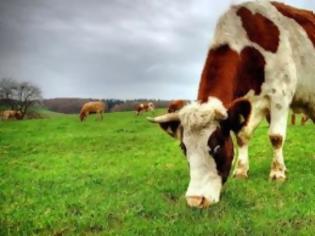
(121, 49)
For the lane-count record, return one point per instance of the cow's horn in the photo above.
(164, 118)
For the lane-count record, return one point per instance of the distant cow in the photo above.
(261, 61)
(144, 107)
(304, 119)
(92, 107)
(176, 105)
(11, 114)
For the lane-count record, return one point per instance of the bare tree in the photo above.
(7, 88)
(19, 96)
(26, 95)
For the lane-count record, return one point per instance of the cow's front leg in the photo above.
(242, 165)
(277, 132)
(243, 137)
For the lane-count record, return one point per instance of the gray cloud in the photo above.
(112, 48)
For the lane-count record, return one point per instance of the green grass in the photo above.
(124, 176)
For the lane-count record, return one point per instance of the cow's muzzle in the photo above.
(198, 202)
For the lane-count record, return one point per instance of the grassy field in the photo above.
(123, 176)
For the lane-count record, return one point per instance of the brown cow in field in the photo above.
(176, 105)
(144, 107)
(11, 114)
(92, 107)
(261, 62)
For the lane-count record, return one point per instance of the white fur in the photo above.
(198, 115)
(204, 178)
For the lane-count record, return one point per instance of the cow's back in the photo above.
(285, 37)
(300, 25)
(96, 106)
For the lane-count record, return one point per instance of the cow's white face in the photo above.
(199, 122)
(204, 131)
(205, 182)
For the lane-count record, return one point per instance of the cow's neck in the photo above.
(219, 75)
(228, 75)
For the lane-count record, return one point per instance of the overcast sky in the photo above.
(110, 48)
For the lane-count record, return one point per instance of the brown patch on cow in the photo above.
(219, 73)
(224, 156)
(276, 141)
(304, 18)
(251, 72)
(228, 75)
(260, 30)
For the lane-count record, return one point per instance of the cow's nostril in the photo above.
(198, 202)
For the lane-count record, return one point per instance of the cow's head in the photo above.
(204, 132)
(18, 115)
(82, 116)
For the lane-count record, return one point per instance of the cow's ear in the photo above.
(173, 128)
(170, 123)
(238, 115)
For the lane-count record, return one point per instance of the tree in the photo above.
(7, 87)
(19, 95)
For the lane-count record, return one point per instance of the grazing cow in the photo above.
(145, 107)
(304, 119)
(176, 105)
(92, 107)
(11, 114)
(261, 61)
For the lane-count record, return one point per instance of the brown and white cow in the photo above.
(261, 61)
(176, 105)
(11, 114)
(144, 107)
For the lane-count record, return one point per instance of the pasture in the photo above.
(124, 176)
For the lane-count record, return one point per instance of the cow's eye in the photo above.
(215, 150)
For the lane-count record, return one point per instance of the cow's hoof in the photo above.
(198, 202)
(240, 174)
(277, 175)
